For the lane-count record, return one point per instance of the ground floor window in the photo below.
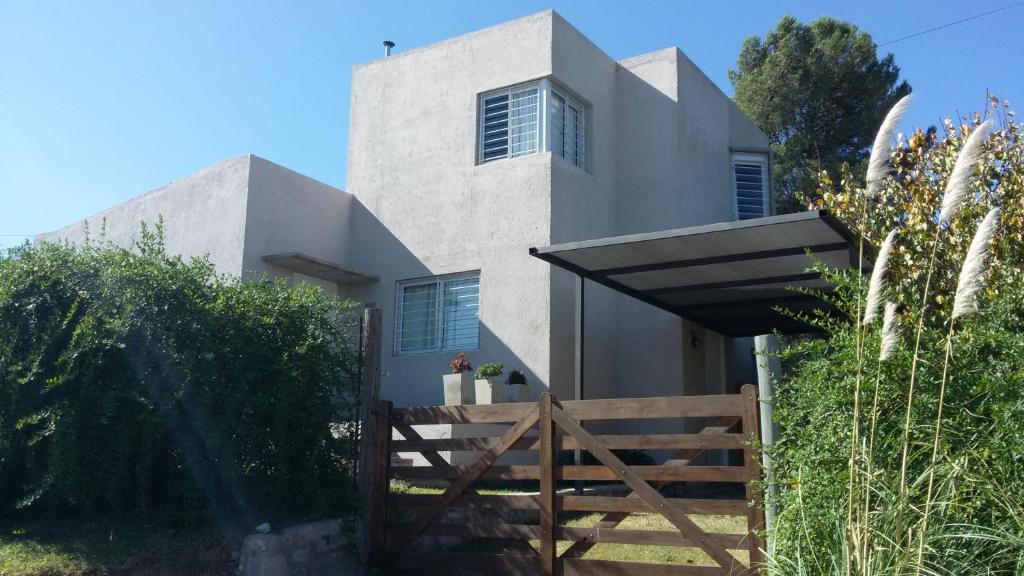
(437, 314)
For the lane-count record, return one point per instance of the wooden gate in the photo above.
(529, 525)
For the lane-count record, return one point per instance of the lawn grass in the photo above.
(624, 552)
(88, 547)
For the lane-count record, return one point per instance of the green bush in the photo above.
(135, 381)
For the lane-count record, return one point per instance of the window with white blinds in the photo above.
(509, 121)
(750, 181)
(566, 128)
(438, 314)
(529, 118)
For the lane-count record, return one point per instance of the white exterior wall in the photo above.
(289, 212)
(426, 208)
(204, 213)
(236, 211)
(658, 136)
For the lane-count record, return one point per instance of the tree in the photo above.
(819, 92)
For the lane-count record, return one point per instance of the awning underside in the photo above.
(729, 277)
(318, 268)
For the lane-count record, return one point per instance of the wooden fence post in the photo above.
(369, 398)
(379, 482)
(548, 518)
(755, 515)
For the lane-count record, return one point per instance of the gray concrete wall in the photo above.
(658, 135)
(204, 213)
(236, 211)
(583, 206)
(426, 208)
(676, 130)
(289, 212)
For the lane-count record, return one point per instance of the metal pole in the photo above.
(769, 369)
(579, 357)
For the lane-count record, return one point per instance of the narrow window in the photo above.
(567, 128)
(437, 314)
(750, 180)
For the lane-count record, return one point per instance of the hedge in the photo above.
(134, 381)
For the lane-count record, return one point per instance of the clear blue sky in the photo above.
(101, 101)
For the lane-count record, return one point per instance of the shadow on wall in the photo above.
(413, 379)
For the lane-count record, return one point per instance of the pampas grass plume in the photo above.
(959, 184)
(878, 165)
(890, 331)
(877, 283)
(972, 275)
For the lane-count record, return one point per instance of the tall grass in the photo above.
(828, 553)
(916, 517)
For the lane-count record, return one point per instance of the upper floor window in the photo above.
(566, 128)
(508, 126)
(530, 118)
(750, 182)
(436, 314)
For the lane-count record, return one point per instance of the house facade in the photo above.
(462, 156)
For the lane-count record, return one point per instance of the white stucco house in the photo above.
(465, 154)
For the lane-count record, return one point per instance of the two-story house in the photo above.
(463, 155)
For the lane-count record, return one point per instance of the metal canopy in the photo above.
(318, 268)
(729, 276)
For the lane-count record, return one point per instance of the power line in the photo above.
(968, 19)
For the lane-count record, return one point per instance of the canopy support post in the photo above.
(580, 325)
(769, 369)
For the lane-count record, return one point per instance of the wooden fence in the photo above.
(402, 526)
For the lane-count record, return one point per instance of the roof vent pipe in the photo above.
(388, 45)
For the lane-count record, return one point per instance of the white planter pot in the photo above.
(517, 392)
(490, 391)
(458, 389)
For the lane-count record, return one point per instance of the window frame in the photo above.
(545, 88)
(439, 282)
(761, 159)
(581, 128)
(509, 91)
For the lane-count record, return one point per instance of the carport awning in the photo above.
(729, 276)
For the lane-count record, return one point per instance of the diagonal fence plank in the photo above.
(472, 474)
(644, 490)
(432, 457)
(680, 458)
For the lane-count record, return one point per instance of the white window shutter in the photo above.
(437, 314)
(750, 185)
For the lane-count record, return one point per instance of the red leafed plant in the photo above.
(460, 364)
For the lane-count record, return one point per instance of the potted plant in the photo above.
(518, 389)
(458, 386)
(489, 387)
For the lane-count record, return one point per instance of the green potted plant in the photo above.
(518, 388)
(489, 387)
(458, 386)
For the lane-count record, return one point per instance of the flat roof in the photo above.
(729, 277)
(318, 268)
